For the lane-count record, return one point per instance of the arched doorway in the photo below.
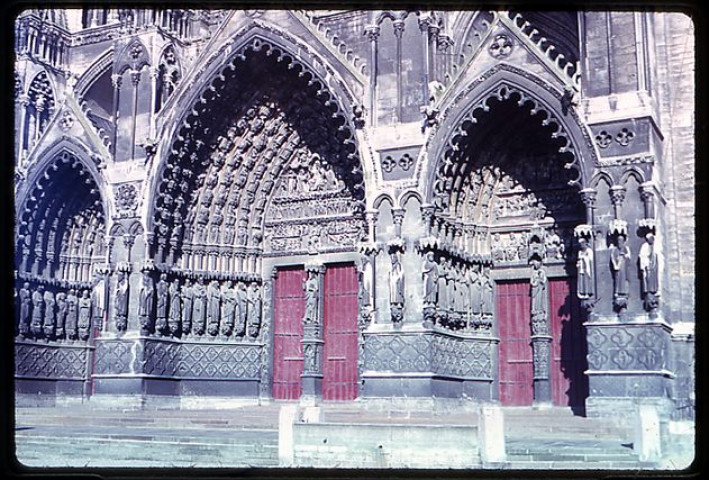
(504, 198)
(263, 177)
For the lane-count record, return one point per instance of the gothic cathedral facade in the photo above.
(220, 206)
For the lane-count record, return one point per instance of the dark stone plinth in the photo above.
(312, 386)
(224, 388)
(425, 385)
(542, 390)
(627, 362)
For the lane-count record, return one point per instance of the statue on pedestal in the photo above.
(584, 270)
(145, 304)
(620, 267)
(161, 316)
(187, 296)
(121, 300)
(199, 307)
(213, 308)
(175, 308)
(37, 311)
(84, 316)
(648, 262)
(25, 309)
(228, 308)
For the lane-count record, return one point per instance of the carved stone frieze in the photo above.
(51, 361)
(628, 347)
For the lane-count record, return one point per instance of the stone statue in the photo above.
(430, 279)
(72, 314)
(312, 298)
(145, 304)
(37, 311)
(161, 310)
(620, 267)
(121, 298)
(443, 293)
(199, 307)
(25, 308)
(584, 270)
(187, 295)
(554, 246)
(648, 262)
(175, 308)
(228, 308)
(367, 279)
(213, 295)
(84, 315)
(241, 309)
(396, 280)
(254, 310)
(475, 290)
(539, 289)
(61, 314)
(49, 314)
(487, 305)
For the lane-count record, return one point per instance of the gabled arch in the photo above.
(460, 111)
(134, 56)
(599, 177)
(634, 172)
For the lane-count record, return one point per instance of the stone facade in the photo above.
(168, 164)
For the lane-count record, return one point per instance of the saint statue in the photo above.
(648, 262)
(84, 315)
(213, 308)
(430, 279)
(584, 270)
(72, 314)
(145, 304)
(199, 307)
(228, 308)
(121, 298)
(539, 291)
(620, 267)
(396, 280)
(49, 314)
(475, 290)
(25, 308)
(37, 311)
(186, 294)
(312, 297)
(254, 309)
(161, 317)
(241, 307)
(175, 310)
(487, 294)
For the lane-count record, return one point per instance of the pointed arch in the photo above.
(134, 56)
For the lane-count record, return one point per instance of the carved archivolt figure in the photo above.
(430, 279)
(584, 270)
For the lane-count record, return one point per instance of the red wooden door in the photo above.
(516, 367)
(288, 310)
(569, 384)
(340, 332)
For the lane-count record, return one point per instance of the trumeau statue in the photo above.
(430, 279)
(539, 289)
(312, 298)
(584, 269)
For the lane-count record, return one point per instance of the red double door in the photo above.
(339, 332)
(569, 385)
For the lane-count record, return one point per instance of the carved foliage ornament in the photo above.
(126, 199)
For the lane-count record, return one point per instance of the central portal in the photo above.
(339, 320)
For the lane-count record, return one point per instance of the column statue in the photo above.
(25, 309)
(254, 310)
(241, 309)
(145, 304)
(37, 311)
(72, 314)
(61, 314)
(620, 267)
(121, 299)
(228, 308)
(49, 314)
(584, 270)
(648, 262)
(175, 308)
(187, 295)
(430, 279)
(84, 316)
(199, 307)
(161, 310)
(213, 308)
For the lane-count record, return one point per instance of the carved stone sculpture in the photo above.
(443, 293)
(49, 314)
(84, 324)
(72, 315)
(228, 308)
(487, 306)
(539, 293)
(430, 279)
(25, 308)
(121, 301)
(161, 305)
(175, 308)
(254, 310)
(312, 299)
(648, 263)
(199, 307)
(396, 288)
(475, 291)
(145, 304)
(187, 295)
(584, 270)
(213, 295)
(620, 267)
(37, 311)
(241, 309)
(61, 314)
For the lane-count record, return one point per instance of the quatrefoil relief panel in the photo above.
(399, 163)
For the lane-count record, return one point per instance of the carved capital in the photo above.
(588, 197)
(617, 193)
(399, 26)
(398, 216)
(116, 81)
(372, 32)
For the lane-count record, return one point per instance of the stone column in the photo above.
(312, 336)
(617, 197)
(372, 33)
(116, 81)
(398, 217)
(398, 33)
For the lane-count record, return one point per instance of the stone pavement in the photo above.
(85, 436)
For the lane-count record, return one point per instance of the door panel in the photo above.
(569, 384)
(288, 310)
(516, 367)
(340, 332)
